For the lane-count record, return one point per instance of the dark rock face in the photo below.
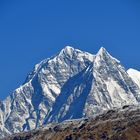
(117, 124)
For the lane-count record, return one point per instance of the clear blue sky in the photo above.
(31, 30)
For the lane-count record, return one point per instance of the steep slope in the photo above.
(135, 75)
(112, 87)
(105, 85)
(72, 97)
(59, 86)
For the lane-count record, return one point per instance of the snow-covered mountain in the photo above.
(135, 75)
(69, 85)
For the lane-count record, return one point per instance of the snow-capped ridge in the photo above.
(102, 51)
(133, 70)
(35, 70)
(68, 48)
(103, 54)
(135, 75)
(67, 52)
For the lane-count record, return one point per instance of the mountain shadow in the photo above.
(74, 94)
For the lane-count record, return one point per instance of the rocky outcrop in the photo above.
(115, 124)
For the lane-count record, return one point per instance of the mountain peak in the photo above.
(103, 54)
(68, 48)
(102, 51)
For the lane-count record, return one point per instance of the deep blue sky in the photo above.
(31, 30)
